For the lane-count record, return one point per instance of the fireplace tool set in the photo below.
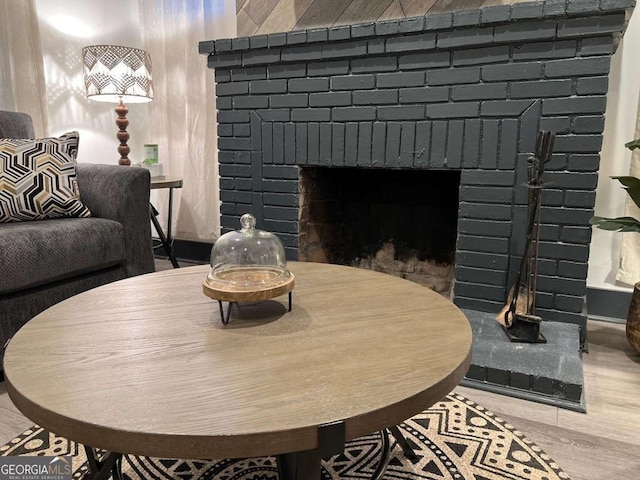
(518, 317)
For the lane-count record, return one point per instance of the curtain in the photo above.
(22, 82)
(629, 268)
(183, 112)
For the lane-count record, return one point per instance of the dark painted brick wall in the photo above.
(466, 91)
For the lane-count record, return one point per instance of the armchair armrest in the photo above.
(121, 194)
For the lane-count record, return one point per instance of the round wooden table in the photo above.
(145, 366)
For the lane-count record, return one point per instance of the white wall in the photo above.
(65, 27)
(620, 123)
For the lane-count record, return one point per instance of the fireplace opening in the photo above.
(401, 222)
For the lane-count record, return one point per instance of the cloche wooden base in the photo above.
(236, 292)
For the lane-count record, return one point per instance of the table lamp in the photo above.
(114, 73)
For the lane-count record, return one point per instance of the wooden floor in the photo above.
(603, 443)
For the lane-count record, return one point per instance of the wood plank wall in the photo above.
(270, 16)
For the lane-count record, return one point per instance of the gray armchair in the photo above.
(45, 261)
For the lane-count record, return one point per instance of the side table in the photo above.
(166, 240)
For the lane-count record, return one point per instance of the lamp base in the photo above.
(123, 135)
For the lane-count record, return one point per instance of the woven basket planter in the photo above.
(633, 319)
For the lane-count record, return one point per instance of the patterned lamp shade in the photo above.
(113, 73)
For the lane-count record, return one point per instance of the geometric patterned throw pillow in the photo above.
(38, 179)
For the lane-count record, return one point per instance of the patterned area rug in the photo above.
(456, 439)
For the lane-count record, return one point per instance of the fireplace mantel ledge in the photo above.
(489, 25)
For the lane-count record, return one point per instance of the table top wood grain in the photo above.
(145, 366)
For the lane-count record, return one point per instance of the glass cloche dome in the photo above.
(248, 258)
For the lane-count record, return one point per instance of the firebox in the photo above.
(401, 222)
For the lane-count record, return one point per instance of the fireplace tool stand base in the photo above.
(525, 330)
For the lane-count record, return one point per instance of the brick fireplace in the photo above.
(465, 92)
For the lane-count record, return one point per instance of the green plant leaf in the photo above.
(632, 186)
(621, 224)
(633, 144)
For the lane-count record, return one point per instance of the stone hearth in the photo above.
(465, 91)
